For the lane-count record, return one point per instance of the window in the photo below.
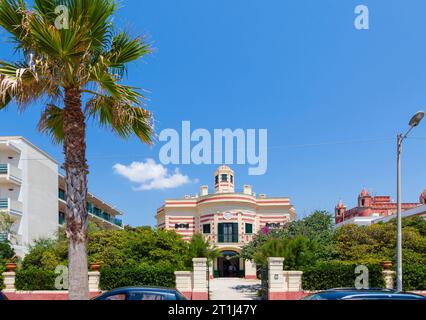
(232, 179)
(61, 218)
(216, 180)
(228, 232)
(224, 178)
(140, 296)
(206, 228)
(116, 297)
(61, 194)
(249, 228)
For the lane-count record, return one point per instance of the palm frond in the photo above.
(12, 15)
(123, 118)
(19, 82)
(52, 123)
(123, 50)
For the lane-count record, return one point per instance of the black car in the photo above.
(2, 296)
(370, 294)
(141, 293)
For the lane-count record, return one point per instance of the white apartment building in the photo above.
(32, 193)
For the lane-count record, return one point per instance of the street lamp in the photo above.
(414, 122)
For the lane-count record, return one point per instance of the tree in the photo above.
(6, 252)
(318, 228)
(201, 248)
(65, 59)
(6, 223)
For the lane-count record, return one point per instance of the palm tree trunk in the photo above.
(76, 171)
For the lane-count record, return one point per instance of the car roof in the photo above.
(340, 293)
(396, 295)
(147, 289)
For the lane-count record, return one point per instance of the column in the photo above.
(275, 278)
(251, 270)
(184, 283)
(294, 280)
(9, 281)
(94, 279)
(389, 277)
(199, 279)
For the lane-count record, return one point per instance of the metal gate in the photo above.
(265, 282)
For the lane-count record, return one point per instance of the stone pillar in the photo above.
(199, 279)
(94, 280)
(294, 280)
(389, 277)
(184, 283)
(9, 281)
(250, 270)
(276, 283)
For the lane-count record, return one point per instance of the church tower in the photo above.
(339, 212)
(423, 197)
(224, 180)
(365, 199)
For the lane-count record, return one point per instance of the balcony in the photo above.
(229, 239)
(10, 174)
(11, 206)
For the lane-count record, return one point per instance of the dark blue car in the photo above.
(370, 294)
(2, 296)
(141, 293)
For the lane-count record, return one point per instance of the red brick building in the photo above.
(373, 206)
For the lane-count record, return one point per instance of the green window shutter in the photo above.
(221, 228)
(235, 232)
(249, 228)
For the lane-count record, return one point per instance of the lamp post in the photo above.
(414, 122)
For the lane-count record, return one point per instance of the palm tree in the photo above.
(74, 66)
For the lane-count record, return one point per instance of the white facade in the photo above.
(29, 185)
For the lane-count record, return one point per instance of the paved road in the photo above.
(234, 289)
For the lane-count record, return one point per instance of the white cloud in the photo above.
(151, 176)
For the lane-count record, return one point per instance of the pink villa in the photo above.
(372, 207)
(227, 218)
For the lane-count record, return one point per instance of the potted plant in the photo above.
(96, 266)
(12, 264)
(387, 265)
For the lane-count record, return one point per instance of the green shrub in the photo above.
(414, 277)
(112, 278)
(328, 276)
(2, 269)
(6, 251)
(35, 279)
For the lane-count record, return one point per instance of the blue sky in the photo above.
(332, 97)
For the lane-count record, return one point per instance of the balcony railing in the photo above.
(13, 206)
(229, 238)
(95, 212)
(4, 237)
(11, 173)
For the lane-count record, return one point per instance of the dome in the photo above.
(224, 168)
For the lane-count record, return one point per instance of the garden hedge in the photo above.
(328, 276)
(414, 277)
(2, 269)
(112, 278)
(35, 279)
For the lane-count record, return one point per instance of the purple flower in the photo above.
(265, 231)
